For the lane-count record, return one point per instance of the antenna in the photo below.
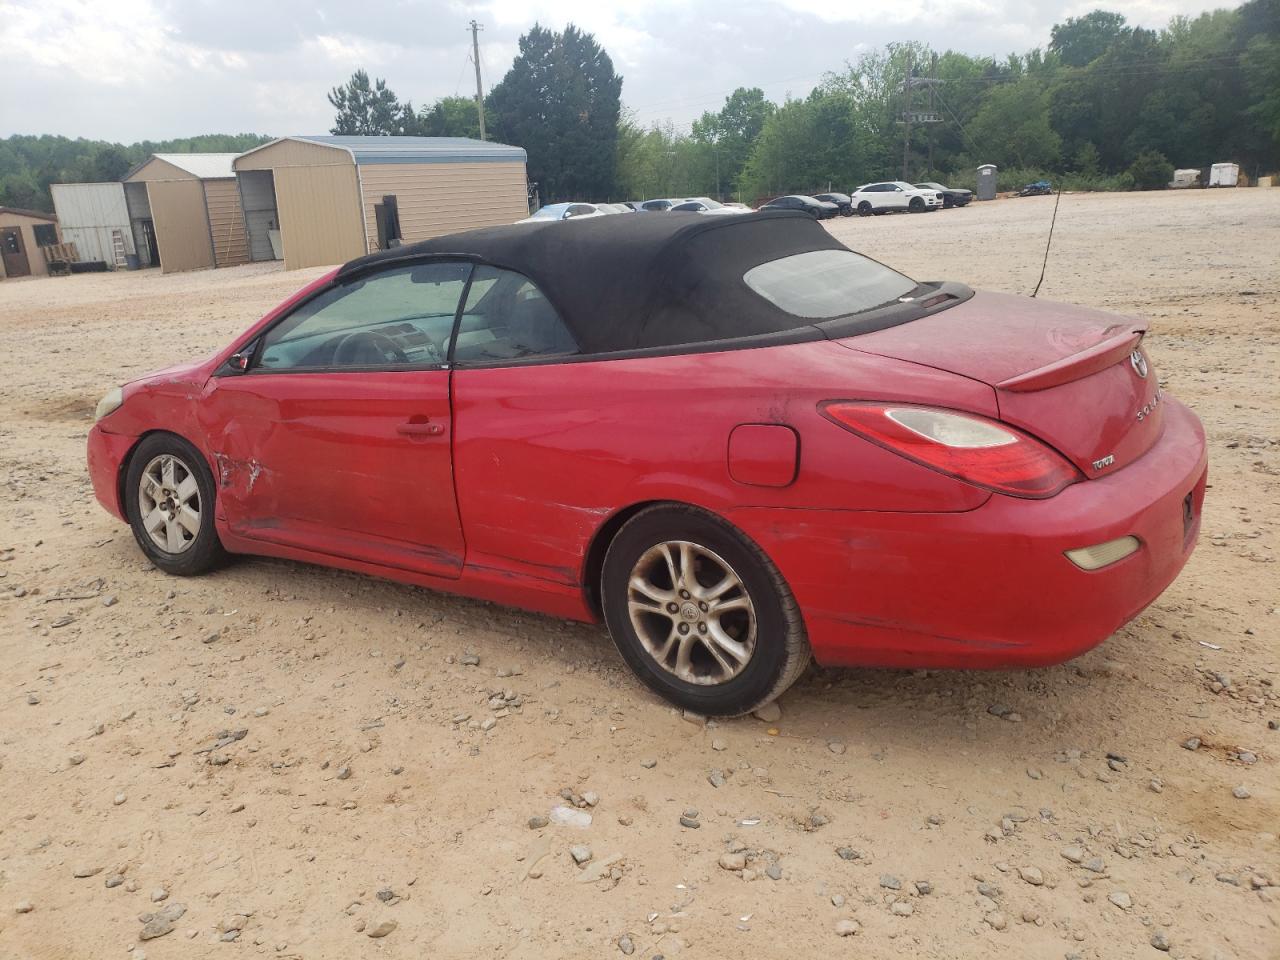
(1047, 242)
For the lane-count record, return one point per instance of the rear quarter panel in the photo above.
(544, 454)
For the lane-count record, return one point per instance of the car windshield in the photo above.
(822, 284)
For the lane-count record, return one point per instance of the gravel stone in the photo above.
(381, 929)
(847, 928)
(733, 861)
(769, 713)
(1241, 792)
(580, 852)
(538, 822)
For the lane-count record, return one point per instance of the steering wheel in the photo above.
(367, 348)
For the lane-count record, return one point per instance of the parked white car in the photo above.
(892, 195)
(564, 211)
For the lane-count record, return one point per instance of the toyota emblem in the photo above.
(1139, 363)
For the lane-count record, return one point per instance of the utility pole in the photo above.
(475, 56)
(933, 83)
(906, 117)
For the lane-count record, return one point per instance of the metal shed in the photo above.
(193, 202)
(95, 217)
(331, 198)
(22, 234)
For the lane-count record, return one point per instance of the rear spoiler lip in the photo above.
(1077, 366)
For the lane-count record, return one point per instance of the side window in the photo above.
(46, 234)
(508, 318)
(401, 317)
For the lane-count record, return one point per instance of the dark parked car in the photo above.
(818, 209)
(842, 200)
(951, 196)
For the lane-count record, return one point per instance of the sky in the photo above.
(128, 70)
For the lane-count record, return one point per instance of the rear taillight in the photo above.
(962, 445)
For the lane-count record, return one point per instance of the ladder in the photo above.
(118, 248)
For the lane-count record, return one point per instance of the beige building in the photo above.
(192, 203)
(22, 235)
(313, 201)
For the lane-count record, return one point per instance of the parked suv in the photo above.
(893, 195)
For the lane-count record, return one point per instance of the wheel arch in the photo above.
(593, 565)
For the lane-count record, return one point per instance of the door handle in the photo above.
(424, 429)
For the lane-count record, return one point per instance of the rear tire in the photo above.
(169, 497)
(712, 626)
(864, 208)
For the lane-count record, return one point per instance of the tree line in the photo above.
(28, 164)
(1106, 106)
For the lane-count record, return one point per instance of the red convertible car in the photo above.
(732, 439)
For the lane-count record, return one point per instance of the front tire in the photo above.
(700, 613)
(916, 205)
(169, 500)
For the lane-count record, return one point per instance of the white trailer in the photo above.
(90, 215)
(1224, 174)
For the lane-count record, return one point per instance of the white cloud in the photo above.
(152, 69)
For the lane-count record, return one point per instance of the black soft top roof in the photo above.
(640, 281)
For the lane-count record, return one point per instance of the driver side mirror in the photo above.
(237, 363)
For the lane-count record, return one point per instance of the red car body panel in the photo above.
(501, 482)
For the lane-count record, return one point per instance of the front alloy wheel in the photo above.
(169, 500)
(169, 503)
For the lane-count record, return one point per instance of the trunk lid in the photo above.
(1074, 377)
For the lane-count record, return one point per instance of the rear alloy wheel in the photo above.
(864, 208)
(169, 497)
(700, 613)
(916, 205)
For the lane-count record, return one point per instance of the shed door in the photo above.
(15, 254)
(320, 218)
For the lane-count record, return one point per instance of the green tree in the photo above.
(1081, 40)
(1151, 171)
(366, 109)
(110, 163)
(1012, 126)
(561, 101)
(451, 117)
(733, 131)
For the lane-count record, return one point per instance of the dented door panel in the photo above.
(355, 464)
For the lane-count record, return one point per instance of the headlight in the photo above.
(108, 404)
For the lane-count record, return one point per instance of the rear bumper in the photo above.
(106, 453)
(991, 587)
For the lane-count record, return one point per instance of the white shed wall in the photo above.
(88, 213)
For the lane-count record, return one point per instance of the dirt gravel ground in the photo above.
(295, 758)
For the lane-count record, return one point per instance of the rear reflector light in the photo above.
(968, 447)
(1103, 554)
